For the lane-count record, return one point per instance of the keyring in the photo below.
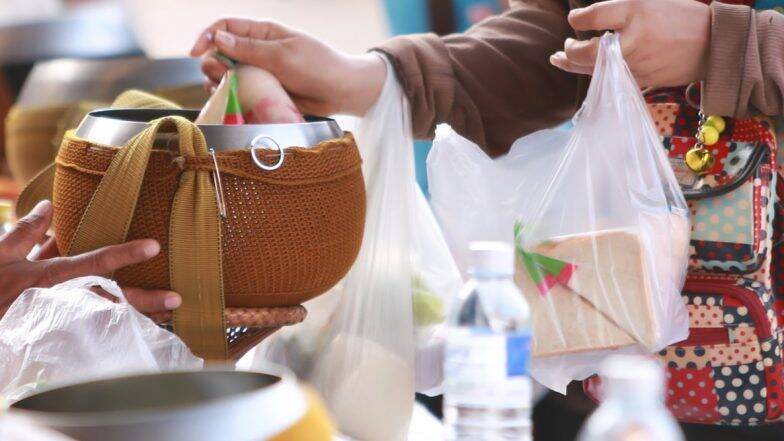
(255, 144)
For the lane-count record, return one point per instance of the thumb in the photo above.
(247, 50)
(28, 231)
(609, 15)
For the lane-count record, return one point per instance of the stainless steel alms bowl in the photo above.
(118, 126)
(205, 405)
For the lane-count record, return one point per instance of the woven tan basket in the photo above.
(288, 234)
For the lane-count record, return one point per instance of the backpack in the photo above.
(729, 370)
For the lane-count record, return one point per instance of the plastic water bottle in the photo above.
(488, 391)
(633, 405)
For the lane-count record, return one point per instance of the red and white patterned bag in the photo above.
(729, 370)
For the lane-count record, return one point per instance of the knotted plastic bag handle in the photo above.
(88, 282)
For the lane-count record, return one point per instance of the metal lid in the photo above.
(205, 405)
(66, 81)
(117, 126)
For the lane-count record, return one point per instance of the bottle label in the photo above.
(479, 355)
(518, 354)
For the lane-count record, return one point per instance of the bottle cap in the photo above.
(491, 258)
(626, 375)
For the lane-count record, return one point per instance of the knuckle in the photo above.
(267, 28)
(245, 46)
(28, 223)
(47, 274)
(136, 300)
(102, 262)
(221, 23)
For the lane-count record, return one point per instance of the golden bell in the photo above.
(708, 135)
(699, 160)
(716, 122)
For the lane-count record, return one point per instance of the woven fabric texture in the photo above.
(28, 139)
(289, 234)
(33, 134)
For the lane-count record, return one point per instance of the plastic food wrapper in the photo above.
(373, 340)
(253, 90)
(598, 219)
(68, 333)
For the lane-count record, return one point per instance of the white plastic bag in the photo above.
(599, 220)
(68, 333)
(372, 340)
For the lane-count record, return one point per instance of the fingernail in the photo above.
(38, 213)
(151, 248)
(208, 35)
(172, 301)
(225, 38)
(41, 209)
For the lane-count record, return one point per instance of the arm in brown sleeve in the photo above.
(746, 62)
(493, 83)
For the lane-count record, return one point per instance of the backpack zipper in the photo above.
(745, 296)
(706, 337)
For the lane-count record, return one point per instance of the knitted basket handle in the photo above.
(38, 189)
(194, 232)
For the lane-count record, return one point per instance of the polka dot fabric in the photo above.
(741, 393)
(692, 394)
(729, 370)
(731, 205)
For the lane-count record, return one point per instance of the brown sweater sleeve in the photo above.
(746, 62)
(493, 83)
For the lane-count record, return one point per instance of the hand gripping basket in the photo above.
(243, 246)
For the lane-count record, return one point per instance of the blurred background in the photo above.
(65, 53)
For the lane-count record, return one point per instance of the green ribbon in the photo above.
(545, 271)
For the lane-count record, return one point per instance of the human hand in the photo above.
(665, 42)
(46, 269)
(320, 79)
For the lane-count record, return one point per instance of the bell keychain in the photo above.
(700, 158)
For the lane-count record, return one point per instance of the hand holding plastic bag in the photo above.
(368, 344)
(601, 227)
(68, 333)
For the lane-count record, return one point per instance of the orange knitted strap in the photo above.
(108, 215)
(195, 255)
(194, 240)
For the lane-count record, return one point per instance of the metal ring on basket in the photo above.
(255, 144)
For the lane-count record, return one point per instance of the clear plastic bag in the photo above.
(598, 218)
(67, 334)
(373, 340)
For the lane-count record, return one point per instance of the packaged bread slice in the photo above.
(214, 110)
(566, 323)
(612, 276)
